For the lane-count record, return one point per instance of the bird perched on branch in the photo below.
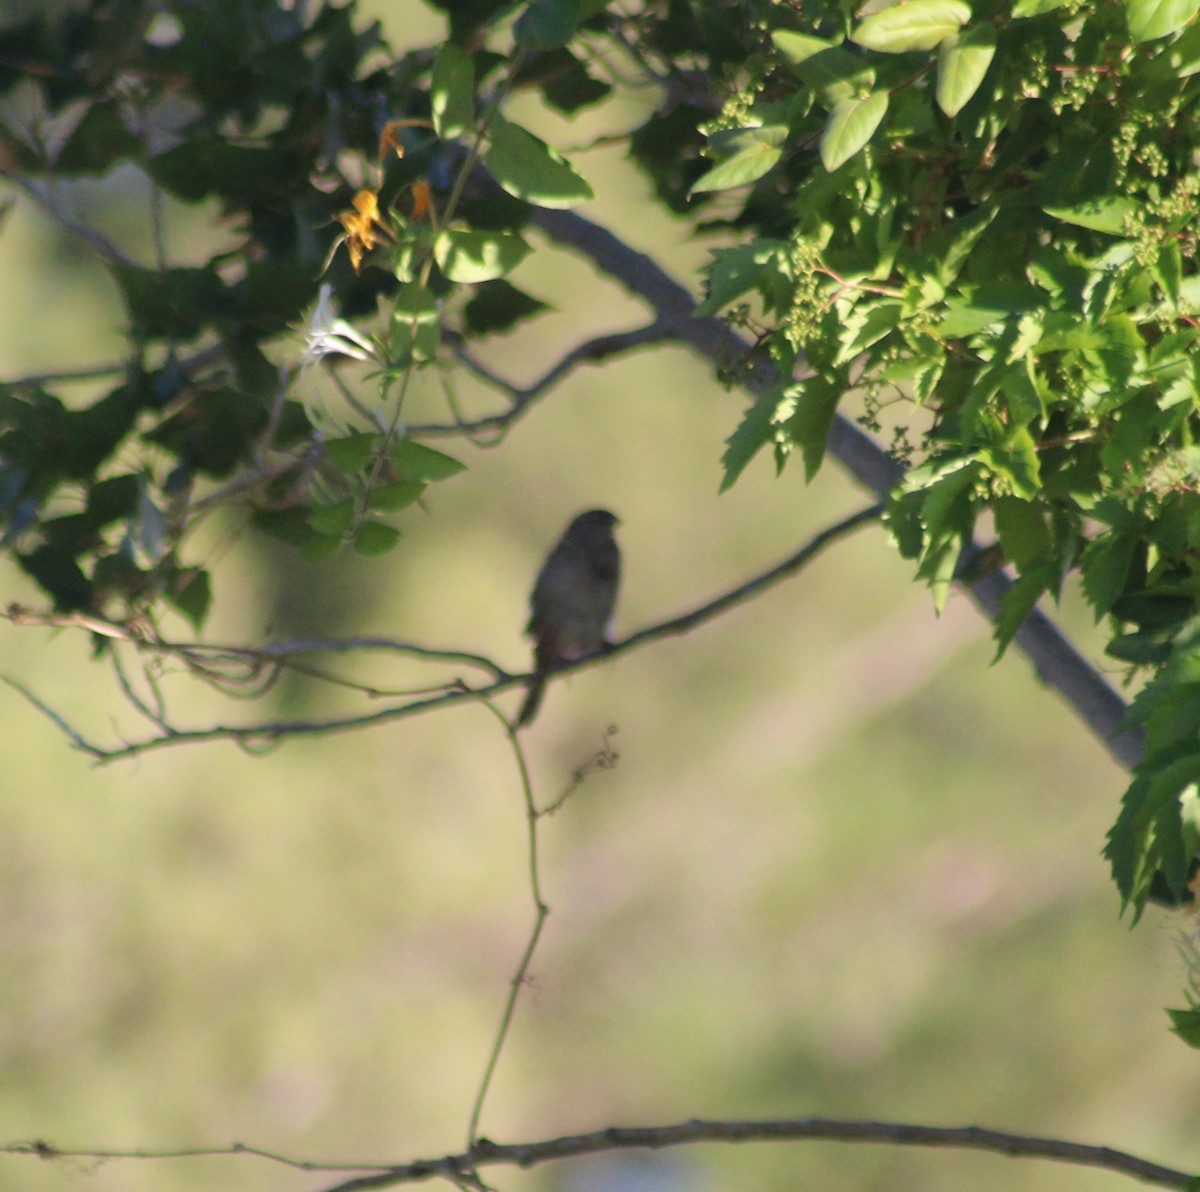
(573, 599)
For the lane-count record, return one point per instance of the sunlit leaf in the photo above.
(917, 25)
(851, 125)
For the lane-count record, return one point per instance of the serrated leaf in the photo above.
(452, 92)
(755, 430)
(1022, 530)
(1017, 462)
(530, 170)
(1105, 565)
(374, 538)
(851, 125)
(1100, 215)
(756, 153)
(470, 257)
(1019, 601)
(963, 61)
(816, 400)
(416, 462)
(1149, 19)
(917, 25)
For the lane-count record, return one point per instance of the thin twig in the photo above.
(531, 1154)
(80, 742)
(540, 912)
(523, 396)
(100, 244)
(271, 732)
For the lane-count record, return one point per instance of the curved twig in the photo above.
(523, 396)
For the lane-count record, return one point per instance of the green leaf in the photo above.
(1148, 837)
(374, 538)
(1186, 1024)
(1105, 564)
(333, 521)
(1035, 8)
(756, 150)
(754, 431)
(851, 125)
(1100, 215)
(1148, 19)
(1022, 530)
(190, 593)
(353, 452)
(963, 61)
(529, 169)
(418, 463)
(917, 25)
(98, 141)
(815, 399)
(416, 333)
(391, 498)
(1017, 462)
(759, 265)
(470, 257)
(498, 306)
(452, 92)
(825, 66)
(548, 24)
(1019, 601)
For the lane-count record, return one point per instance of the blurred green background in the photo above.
(844, 867)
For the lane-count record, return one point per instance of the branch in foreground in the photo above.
(461, 1167)
(268, 733)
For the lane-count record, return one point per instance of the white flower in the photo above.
(328, 335)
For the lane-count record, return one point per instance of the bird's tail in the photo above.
(533, 701)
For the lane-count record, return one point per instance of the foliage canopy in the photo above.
(979, 215)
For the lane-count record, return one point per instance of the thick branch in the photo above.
(1058, 664)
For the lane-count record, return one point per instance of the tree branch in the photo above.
(99, 244)
(455, 692)
(460, 1168)
(523, 396)
(1055, 660)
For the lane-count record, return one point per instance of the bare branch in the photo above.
(523, 396)
(453, 692)
(100, 244)
(540, 911)
(460, 1168)
(81, 743)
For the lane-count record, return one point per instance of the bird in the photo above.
(573, 600)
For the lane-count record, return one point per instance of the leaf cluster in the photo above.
(981, 215)
(984, 216)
